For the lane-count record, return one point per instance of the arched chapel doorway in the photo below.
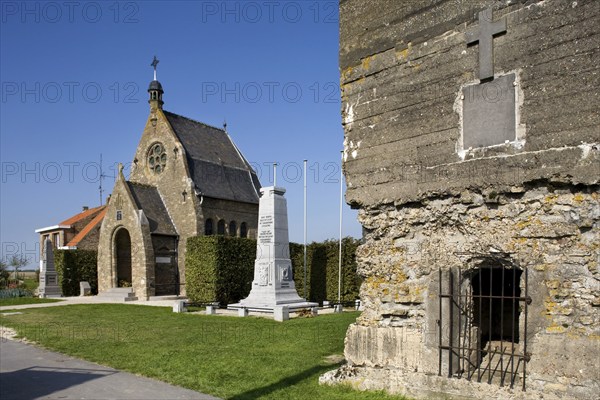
(123, 258)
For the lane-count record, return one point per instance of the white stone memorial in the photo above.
(48, 277)
(273, 285)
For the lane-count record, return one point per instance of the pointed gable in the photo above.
(148, 199)
(216, 166)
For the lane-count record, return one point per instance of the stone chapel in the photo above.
(187, 179)
(472, 150)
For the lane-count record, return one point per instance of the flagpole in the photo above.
(306, 298)
(341, 205)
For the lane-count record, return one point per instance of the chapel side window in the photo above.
(208, 227)
(221, 227)
(232, 228)
(243, 230)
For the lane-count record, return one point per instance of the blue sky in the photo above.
(74, 77)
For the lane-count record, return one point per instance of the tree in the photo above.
(18, 261)
(4, 274)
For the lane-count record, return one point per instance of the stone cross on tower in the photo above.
(154, 64)
(485, 36)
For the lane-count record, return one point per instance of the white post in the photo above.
(305, 230)
(274, 174)
(341, 207)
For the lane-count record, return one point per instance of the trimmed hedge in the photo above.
(219, 268)
(322, 273)
(74, 266)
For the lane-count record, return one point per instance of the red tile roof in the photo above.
(82, 215)
(83, 233)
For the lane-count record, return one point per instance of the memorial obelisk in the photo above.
(273, 285)
(48, 277)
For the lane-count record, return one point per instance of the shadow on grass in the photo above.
(284, 383)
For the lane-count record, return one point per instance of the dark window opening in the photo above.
(208, 227)
(243, 230)
(495, 304)
(221, 227)
(232, 228)
(482, 322)
(119, 215)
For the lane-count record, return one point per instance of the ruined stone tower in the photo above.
(472, 149)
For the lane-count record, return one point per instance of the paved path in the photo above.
(65, 301)
(29, 373)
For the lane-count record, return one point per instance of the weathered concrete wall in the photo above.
(403, 64)
(427, 204)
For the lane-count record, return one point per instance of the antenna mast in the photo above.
(100, 189)
(102, 177)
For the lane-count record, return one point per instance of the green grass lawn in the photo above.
(31, 283)
(17, 301)
(228, 357)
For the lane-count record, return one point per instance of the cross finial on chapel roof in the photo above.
(154, 64)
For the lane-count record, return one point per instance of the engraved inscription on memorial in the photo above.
(265, 231)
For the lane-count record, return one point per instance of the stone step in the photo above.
(118, 294)
(117, 297)
(119, 290)
(167, 297)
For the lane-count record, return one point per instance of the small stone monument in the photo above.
(273, 285)
(48, 277)
(85, 289)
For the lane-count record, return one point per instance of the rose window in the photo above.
(157, 158)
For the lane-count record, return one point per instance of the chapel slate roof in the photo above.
(148, 199)
(216, 166)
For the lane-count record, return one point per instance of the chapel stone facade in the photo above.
(472, 150)
(187, 179)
